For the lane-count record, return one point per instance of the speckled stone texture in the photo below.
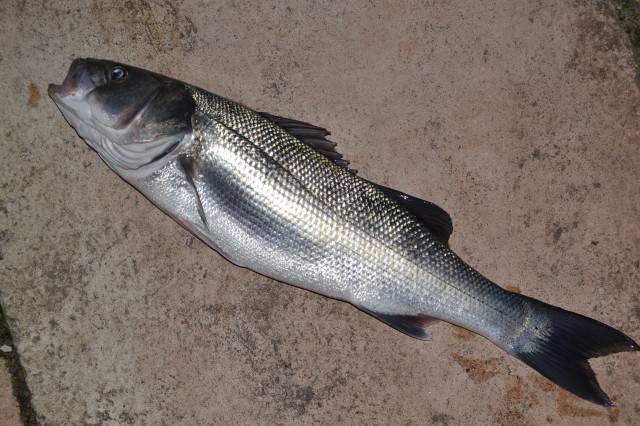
(521, 119)
(9, 411)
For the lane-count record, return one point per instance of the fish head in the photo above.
(132, 117)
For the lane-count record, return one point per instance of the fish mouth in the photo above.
(70, 96)
(76, 83)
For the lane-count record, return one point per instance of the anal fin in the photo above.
(411, 325)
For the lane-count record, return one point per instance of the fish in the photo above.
(273, 194)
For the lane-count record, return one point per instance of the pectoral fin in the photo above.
(186, 162)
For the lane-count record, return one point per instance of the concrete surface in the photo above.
(9, 410)
(520, 119)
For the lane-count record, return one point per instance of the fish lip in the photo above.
(53, 90)
(77, 82)
(72, 93)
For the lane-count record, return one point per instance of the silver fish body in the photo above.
(275, 205)
(270, 194)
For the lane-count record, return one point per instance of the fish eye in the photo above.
(117, 73)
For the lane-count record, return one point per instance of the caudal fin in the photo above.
(559, 343)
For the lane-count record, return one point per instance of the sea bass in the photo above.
(272, 194)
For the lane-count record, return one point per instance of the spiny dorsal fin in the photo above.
(430, 214)
(314, 136)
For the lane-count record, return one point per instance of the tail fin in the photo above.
(559, 343)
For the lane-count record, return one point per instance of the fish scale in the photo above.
(271, 194)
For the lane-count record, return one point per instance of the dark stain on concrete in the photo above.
(34, 95)
(517, 402)
(479, 370)
(442, 419)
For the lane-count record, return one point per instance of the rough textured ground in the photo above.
(520, 119)
(9, 411)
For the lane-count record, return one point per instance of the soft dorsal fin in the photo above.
(412, 325)
(436, 219)
(314, 136)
